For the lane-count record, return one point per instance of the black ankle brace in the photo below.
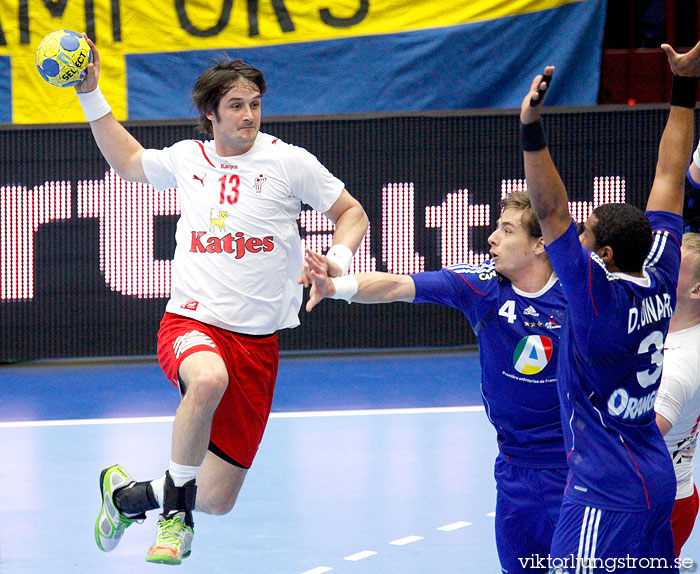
(137, 498)
(179, 498)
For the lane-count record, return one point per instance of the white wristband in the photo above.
(696, 156)
(345, 287)
(342, 255)
(94, 104)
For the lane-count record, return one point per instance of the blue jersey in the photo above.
(518, 336)
(610, 368)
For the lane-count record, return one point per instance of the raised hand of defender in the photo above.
(687, 64)
(316, 269)
(332, 269)
(90, 81)
(532, 104)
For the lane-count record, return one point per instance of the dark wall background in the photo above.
(75, 314)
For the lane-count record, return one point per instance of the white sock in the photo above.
(157, 487)
(182, 474)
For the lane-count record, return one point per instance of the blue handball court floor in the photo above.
(372, 463)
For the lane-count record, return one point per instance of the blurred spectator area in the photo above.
(634, 68)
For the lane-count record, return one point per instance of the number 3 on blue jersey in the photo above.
(507, 310)
(647, 378)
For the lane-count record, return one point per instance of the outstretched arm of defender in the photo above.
(372, 287)
(545, 187)
(668, 189)
(121, 150)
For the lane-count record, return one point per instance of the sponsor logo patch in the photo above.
(189, 340)
(532, 354)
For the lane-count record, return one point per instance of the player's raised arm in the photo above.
(545, 187)
(667, 192)
(372, 287)
(121, 150)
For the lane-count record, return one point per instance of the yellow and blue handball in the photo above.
(62, 58)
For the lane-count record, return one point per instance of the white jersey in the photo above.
(238, 254)
(678, 400)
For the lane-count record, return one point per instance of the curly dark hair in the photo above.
(213, 83)
(627, 231)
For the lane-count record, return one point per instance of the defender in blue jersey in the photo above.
(619, 279)
(515, 305)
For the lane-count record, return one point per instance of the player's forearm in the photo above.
(668, 189)
(547, 194)
(121, 150)
(379, 287)
(351, 227)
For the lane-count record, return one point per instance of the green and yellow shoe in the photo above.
(111, 524)
(173, 541)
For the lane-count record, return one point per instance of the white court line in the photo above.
(77, 422)
(303, 414)
(360, 555)
(454, 526)
(355, 413)
(491, 514)
(406, 540)
(319, 570)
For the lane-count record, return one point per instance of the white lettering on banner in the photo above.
(22, 211)
(456, 217)
(319, 238)
(127, 212)
(398, 226)
(605, 190)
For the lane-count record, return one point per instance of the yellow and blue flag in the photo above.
(318, 56)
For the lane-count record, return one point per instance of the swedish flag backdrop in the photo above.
(318, 56)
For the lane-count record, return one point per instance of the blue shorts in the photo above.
(610, 541)
(527, 509)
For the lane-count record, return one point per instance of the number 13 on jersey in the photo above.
(229, 189)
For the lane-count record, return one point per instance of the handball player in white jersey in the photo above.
(619, 278)
(236, 280)
(678, 400)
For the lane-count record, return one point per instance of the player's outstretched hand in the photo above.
(687, 64)
(312, 262)
(90, 81)
(532, 104)
(331, 268)
(316, 269)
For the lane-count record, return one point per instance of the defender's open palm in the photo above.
(316, 268)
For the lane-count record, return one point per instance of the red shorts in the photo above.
(251, 362)
(683, 518)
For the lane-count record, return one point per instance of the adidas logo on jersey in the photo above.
(531, 311)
